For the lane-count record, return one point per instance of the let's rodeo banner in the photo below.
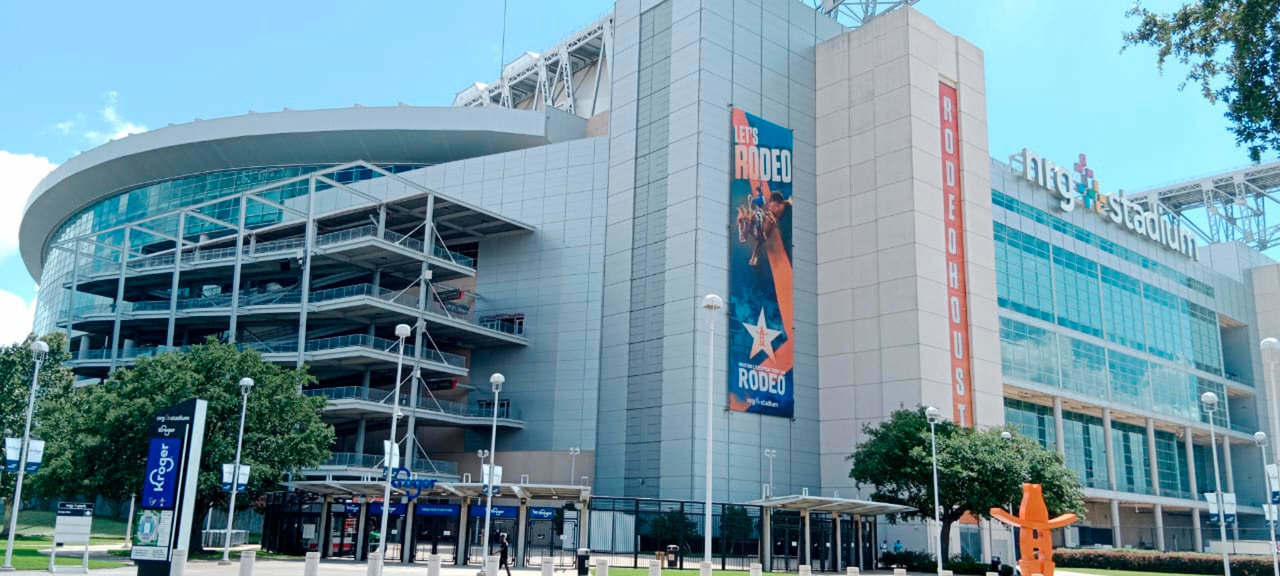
(761, 327)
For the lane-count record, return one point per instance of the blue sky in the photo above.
(1056, 80)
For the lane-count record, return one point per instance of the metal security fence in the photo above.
(632, 531)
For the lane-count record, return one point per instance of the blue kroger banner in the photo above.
(347, 508)
(542, 513)
(161, 480)
(498, 511)
(397, 508)
(761, 322)
(436, 510)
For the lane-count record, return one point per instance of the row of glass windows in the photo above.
(1059, 225)
(1085, 451)
(1053, 284)
(1034, 354)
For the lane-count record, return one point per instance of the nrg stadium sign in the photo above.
(1153, 225)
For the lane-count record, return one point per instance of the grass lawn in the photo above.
(1101, 572)
(40, 523)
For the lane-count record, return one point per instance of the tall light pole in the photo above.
(1260, 438)
(402, 332)
(712, 303)
(770, 453)
(573, 462)
(246, 385)
(1271, 356)
(39, 350)
(934, 416)
(496, 381)
(1209, 403)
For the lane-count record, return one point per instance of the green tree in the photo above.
(735, 526)
(1232, 51)
(977, 470)
(16, 366)
(97, 437)
(672, 527)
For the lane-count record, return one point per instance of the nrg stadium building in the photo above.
(825, 169)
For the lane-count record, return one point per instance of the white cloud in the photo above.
(65, 127)
(117, 126)
(19, 315)
(21, 174)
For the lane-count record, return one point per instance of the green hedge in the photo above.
(1180, 562)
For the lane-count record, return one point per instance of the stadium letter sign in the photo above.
(761, 327)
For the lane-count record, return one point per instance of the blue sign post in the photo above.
(169, 486)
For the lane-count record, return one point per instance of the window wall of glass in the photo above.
(105, 217)
(1085, 451)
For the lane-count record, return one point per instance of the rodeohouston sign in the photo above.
(957, 275)
(761, 325)
(1156, 225)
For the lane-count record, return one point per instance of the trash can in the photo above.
(673, 556)
(995, 564)
(584, 554)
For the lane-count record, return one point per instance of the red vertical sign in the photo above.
(957, 285)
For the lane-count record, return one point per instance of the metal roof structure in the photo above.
(1228, 206)
(567, 76)
(855, 13)
(830, 504)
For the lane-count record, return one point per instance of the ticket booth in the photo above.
(343, 527)
(395, 529)
(435, 528)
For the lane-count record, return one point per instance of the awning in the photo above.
(374, 489)
(830, 504)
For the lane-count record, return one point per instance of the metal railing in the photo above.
(272, 347)
(446, 254)
(505, 411)
(383, 345)
(356, 460)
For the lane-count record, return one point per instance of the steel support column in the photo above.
(235, 272)
(308, 247)
(119, 302)
(173, 285)
(1188, 448)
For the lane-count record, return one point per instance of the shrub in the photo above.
(1179, 562)
(966, 565)
(912, 560)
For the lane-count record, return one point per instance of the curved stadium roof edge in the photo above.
(393, 134)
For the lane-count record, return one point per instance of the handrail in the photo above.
(355, 460)
(505, 411)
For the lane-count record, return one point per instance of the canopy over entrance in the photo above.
(829, 504)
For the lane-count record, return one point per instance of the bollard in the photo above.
(433, 564)
(756, 569)
(548, 566)
(852, 571)
(602, 567)
(491, 566)
(375, 564)
(704, 569)
(945, 573)
(805, 570)
(247, 558)
(899, 572)
(993, 574)
(655, 568)
(178, 563)
(310, 568)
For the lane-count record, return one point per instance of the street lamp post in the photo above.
(1260, 438)
(1209, 403)
(246, 385)
(1271, 356)
(39, 350)
(712, 303)
(573, 462)
(770, 453)
(496, 381)
(402, 332)
(934, 416)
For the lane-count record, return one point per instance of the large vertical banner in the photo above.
(957, 285)
(761, 351)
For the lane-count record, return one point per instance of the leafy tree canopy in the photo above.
(55, 383)
(977, 470)
(97, 436)
(1232, 51)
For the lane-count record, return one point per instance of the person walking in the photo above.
(503, 550)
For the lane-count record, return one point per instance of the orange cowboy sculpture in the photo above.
(1036, 547)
